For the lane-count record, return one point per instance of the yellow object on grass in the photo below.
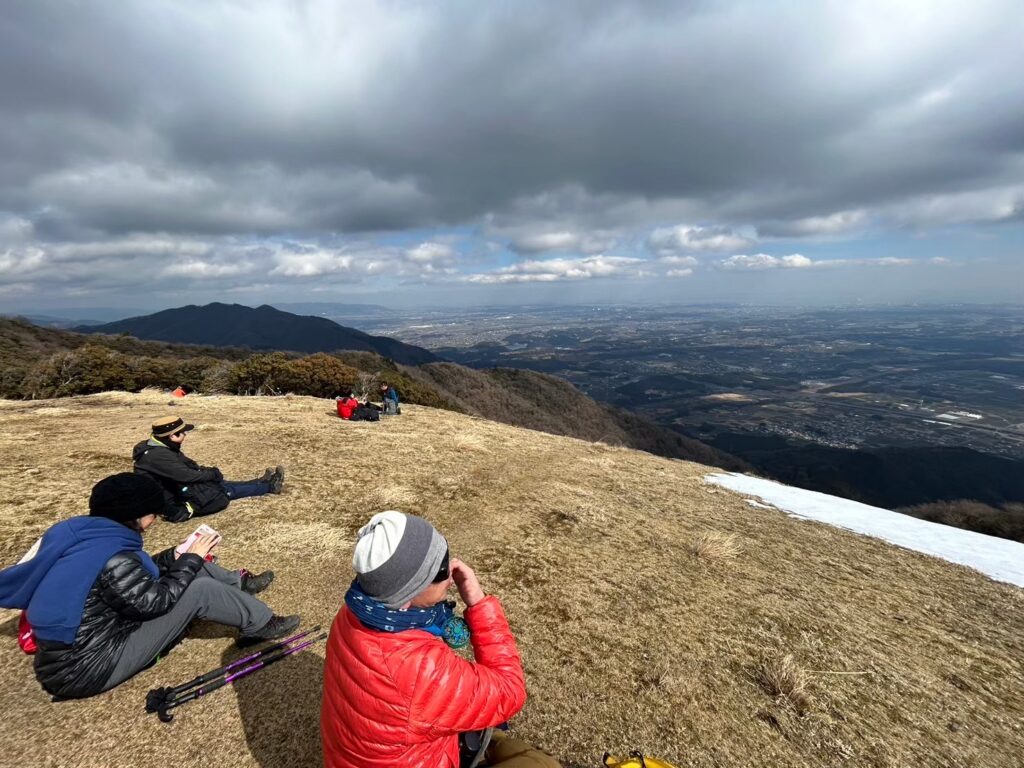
(634, 760)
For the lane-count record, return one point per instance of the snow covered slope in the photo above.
(1000, 559)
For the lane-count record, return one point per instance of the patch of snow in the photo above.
(758, 504)
(999, 559)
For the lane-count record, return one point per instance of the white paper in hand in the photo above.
(202, 530)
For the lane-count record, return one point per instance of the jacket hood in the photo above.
(53, 584)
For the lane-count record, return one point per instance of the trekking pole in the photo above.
(170, 693)
(158, 699)
(263, 662)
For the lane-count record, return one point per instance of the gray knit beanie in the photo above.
(397, 556)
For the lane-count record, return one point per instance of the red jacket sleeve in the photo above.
(451, 695)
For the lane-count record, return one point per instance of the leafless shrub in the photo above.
(217, 378)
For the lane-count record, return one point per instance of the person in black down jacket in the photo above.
(191, 490)
(102, 609)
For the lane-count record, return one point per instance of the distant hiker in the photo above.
(179, 392)
(389, 397)
(347, 405)
(191, 490)
(102, 609)
(395, 693)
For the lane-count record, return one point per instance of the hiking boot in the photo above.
(254, 584)
(265, 477)
(277, 627)
(277, 480)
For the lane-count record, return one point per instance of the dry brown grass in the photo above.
(628, 640)
(784, 680)
(714, 545)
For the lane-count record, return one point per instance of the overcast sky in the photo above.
(157, 153)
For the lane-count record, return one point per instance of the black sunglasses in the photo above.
(444, 572)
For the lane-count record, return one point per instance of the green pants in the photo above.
(513, 753)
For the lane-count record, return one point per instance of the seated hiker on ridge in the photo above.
(346, 405)
(395, 693)
(102, 609)
(190, 489)
(389, 400)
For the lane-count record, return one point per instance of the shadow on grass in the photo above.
(211, 630)
(280, 710)
(10, 627)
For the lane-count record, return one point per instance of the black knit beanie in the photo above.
(125, 497)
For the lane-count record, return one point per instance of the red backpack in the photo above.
(26, 637)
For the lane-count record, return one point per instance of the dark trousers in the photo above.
(215, 594)
(242, 490)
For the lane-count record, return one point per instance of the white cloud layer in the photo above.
(836, 223)
(762, 261)
(564, 241)
(668, 241)
(552, 270)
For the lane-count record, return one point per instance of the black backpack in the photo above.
(365, 413)
(204, 498)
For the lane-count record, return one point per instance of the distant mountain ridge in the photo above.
(260, 328)
(47, 362)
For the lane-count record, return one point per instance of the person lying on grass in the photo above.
(102, 609)
(396, 694)
(191, 490)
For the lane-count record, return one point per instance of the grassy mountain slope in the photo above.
(652, 610)
(261, 327)
(520, 398)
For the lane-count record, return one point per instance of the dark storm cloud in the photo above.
(550, 126)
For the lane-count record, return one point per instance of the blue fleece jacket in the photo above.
(54, 584)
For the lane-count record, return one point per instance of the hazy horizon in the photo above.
(104, 314)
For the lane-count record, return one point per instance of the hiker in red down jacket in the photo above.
(346, 405)
(395, 693)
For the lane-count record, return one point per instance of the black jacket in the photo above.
(182, 479)
(123, 596)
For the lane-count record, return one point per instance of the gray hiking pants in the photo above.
(215, 594)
